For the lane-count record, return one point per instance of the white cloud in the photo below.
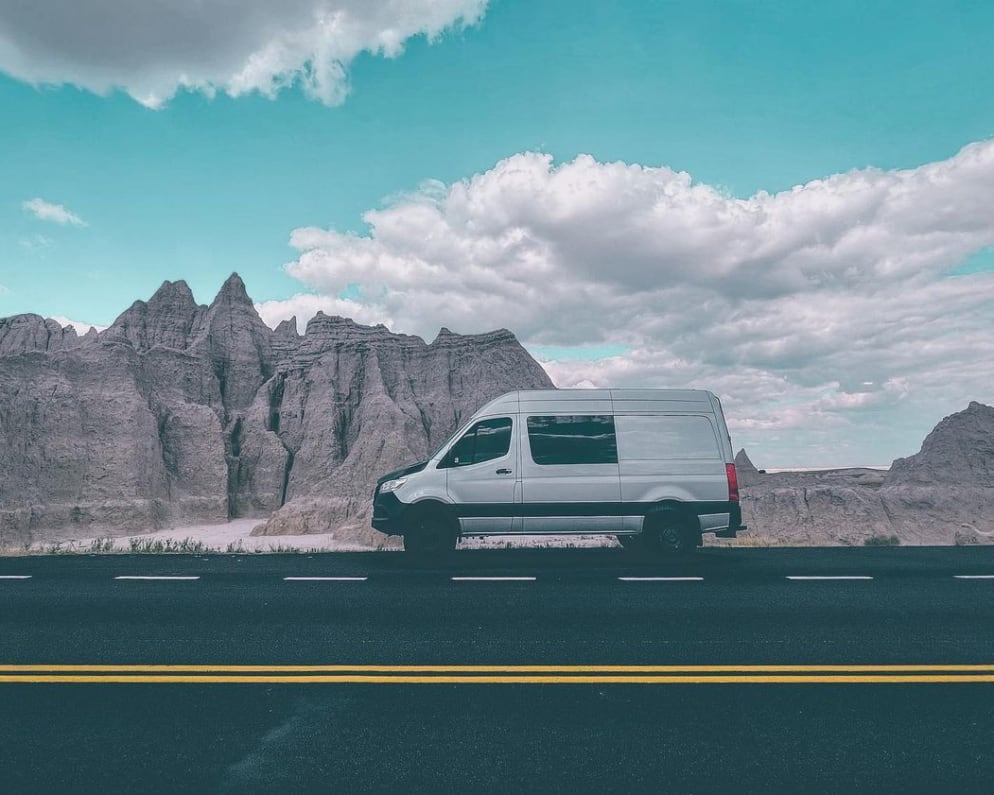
(80, 326)
(46, 211)
(817, 312)
(153, 48)
(4, 289)
(304, 306)
(36, 244)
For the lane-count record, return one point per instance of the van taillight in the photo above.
(733, 483)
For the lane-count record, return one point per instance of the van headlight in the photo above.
(392, 485)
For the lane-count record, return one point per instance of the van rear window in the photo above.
(573, 439)
(660, 438)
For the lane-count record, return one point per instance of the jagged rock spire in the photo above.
(170, 318)
(960, 450)
(233, 291)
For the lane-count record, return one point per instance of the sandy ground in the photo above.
(235, 536)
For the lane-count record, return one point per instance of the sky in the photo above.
(791, 204)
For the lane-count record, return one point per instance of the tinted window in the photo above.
(659, 438)
(486, 440)
(576, 439)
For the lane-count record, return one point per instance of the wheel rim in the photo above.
(672, 538)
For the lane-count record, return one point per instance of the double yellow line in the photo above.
(496, 674)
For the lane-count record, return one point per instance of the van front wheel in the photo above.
(430, 534)
(669, 534)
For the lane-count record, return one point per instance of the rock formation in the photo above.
(959, 450)
(747, 473)
(942, 495)
(182, 413)
(30, 333)
(186, 413)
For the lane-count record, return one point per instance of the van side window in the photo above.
(573, 439)
(668, 437)
(485, 441)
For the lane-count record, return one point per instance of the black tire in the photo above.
(669, 534)
(630, 542)
(430, 534)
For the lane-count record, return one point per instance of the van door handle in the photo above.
(503, 471)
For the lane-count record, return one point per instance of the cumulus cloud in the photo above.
(47, 211)
(153, 48)
(81, 327)
(305, 306)
(815, 311)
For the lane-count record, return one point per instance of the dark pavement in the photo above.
(761, 732)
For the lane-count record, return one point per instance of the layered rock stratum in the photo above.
(944, 494)
(183, 413)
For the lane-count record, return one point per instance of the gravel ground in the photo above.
(235, 536)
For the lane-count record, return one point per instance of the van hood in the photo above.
(399, 473)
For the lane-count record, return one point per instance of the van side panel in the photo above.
(670, 456)
(674, 456)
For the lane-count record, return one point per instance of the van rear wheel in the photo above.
(669, 534)
(430, 534)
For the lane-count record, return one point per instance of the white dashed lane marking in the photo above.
(797, 577)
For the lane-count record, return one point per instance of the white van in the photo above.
(653, 467)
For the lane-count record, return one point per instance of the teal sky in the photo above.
(743, 95)
(829, 272)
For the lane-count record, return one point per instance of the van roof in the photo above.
(614, 396)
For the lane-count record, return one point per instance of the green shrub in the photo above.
(882, 541)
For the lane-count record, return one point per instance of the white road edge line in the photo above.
(661, 579)
(15, 576)
(493, 579)
(826, 577)
(974, 576)
(153, 577)
(325, 579)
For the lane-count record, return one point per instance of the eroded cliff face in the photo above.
(942, 495)
(180, 412)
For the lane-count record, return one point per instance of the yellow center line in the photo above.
(494, 669)
(492, 679)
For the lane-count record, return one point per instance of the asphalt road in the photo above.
(529, 670)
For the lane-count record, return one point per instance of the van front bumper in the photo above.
(388, 513)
